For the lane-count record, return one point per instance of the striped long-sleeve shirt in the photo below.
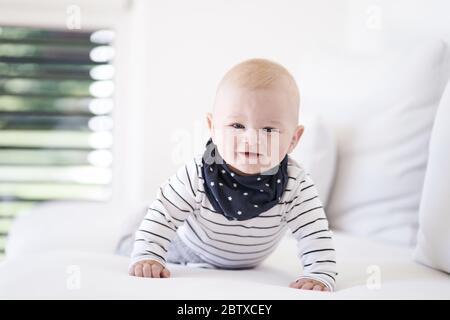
(182, 207)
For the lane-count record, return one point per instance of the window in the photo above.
(56, 90)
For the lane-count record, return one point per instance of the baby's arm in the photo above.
(306, 219)
(175, 200)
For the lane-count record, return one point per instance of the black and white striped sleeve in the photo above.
(175, 200)
(306, 218)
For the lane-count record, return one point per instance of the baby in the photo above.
(230, 207)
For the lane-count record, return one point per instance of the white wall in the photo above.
(54, 13)
(188, 45)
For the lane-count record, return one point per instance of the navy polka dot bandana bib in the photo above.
(240, 197)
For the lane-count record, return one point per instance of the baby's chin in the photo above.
(250, 166)
(245, 170)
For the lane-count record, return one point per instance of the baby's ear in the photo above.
(296, 137)
(209, 120)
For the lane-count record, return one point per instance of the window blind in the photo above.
(56, 118)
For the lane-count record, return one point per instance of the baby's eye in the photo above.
(237, 126)
(268, 129)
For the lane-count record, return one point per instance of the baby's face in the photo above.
(254, 129)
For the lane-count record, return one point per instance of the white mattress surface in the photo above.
(361, 263)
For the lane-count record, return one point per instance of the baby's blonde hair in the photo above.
(260, 74)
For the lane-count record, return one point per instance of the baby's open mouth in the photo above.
(250, 154)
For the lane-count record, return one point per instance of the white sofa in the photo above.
(66, 250)
(55, 254)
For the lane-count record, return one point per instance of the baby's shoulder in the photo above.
(196, 162)
(296, 177)
(295, 170)
(189, 171)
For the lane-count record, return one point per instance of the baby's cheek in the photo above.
(226, 151)
(276, 153)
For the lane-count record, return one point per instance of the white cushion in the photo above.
(383, 107)
(65, 225)
(433, 247)
(316, 152)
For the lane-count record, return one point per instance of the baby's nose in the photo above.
(251, 141)
(250, 137)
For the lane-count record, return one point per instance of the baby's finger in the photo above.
(138, 270)
(317, 287)
(165, 273)
(156, 270)
(297, 284)
(326, 289)
(307, 286)
(147, 269)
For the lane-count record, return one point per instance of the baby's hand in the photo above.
(309, 284)
(149, 269)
